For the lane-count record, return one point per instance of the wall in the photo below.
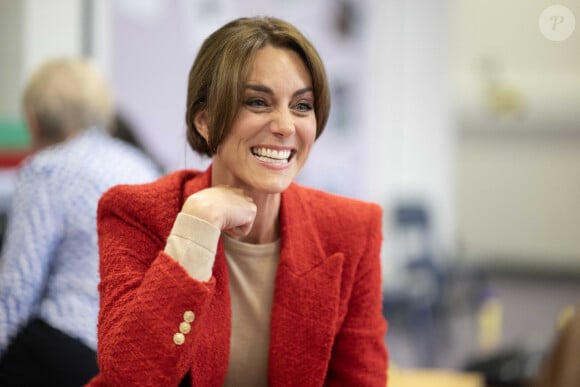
(31, 31)
(413, 128)
(518, 167)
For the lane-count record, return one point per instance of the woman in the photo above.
(237, 276)
(49, 263)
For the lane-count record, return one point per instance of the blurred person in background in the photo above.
(49, 260)
(123, 129)
(237, 276)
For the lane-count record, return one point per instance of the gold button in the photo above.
(189, 316)
(178, 338)
(184, 327)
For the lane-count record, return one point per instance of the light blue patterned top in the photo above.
(49, 261)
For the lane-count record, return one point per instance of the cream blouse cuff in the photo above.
(193, 243)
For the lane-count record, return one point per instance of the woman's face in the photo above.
(275, 127)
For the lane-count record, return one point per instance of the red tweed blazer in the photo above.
(326, 326)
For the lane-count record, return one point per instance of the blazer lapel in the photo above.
(306, 298)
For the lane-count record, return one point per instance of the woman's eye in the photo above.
(256, 102)
(304, 107)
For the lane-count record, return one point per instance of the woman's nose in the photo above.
(282, 123)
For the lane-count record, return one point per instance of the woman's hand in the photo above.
(227, 208)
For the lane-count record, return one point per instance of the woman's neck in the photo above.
(266, 226)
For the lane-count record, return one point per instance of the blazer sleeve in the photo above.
(146, 296)
(359, 355)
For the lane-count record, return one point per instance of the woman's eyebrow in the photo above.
(267, 90)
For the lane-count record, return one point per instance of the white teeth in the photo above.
(267, 154)
(272, 161)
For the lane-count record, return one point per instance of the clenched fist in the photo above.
(227, 208)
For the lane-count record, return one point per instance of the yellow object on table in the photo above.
(433, 378)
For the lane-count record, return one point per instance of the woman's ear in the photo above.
(200, 122)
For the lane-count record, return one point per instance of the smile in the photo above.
(275, 156)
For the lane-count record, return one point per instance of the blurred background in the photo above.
(461, 118)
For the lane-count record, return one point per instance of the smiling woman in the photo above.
(273, 132)
(236, 275)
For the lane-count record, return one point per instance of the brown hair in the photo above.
(65, 96)
(220, 70)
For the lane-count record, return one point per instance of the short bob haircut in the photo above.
(222, 67)
(65, 96)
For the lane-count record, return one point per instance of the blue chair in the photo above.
(419, 302)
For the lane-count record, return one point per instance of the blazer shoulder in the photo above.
(329, 206)
(148, 201)
(143, 193)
